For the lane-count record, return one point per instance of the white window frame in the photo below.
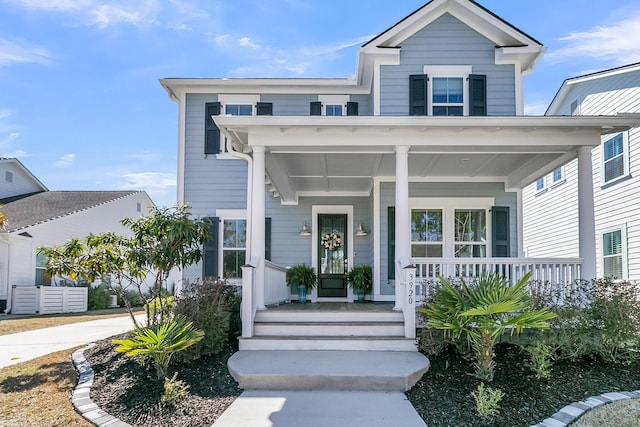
(333, 100)
(224, 100)
(448, 207)
(451, 71)
(625, 158)
(623, 236)
(229, 215)
(543, 189)
(555, 182)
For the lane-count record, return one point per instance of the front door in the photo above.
(332, 255)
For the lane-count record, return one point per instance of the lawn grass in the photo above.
(625, 413)
(13, 324)
(36, 393)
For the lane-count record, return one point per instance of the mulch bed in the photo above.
(131, 393)
(443, 396)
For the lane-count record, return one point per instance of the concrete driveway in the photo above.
(23, 346)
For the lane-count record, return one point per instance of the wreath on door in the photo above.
(331, 241)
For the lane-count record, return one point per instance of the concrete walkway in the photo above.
(320, 409)
(23, 346)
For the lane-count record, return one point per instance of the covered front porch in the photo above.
(319, 166)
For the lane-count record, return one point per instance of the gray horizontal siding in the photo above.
(447, 41)
(289, 105)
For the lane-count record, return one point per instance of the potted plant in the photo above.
(360, 280)
(302, 278)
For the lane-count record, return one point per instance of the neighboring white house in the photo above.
(551, 225)
(418, 159)
(35, 216)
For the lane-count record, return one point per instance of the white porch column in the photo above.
(586, 216)
(257, 209)
(403, 232)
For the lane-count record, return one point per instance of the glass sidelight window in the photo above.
(470, 233)
(234, 247)
(426, 233)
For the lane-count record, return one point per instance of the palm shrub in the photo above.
(483, 313)
(160, 342)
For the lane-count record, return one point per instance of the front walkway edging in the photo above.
(572, 412)
(80, 398)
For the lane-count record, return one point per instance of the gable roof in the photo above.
(26, 171)
(31, 209)
(470, 12)
(567, 84)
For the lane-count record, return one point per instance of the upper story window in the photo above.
(8, 176)
(239, 109)
(557, 175)
(448, 96)
(447, 91)
(540, 184)
(615, 158)
(333, 110)
(333, 105)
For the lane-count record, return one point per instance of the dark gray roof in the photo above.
(31, 209)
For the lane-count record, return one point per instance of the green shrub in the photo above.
(133, 298)
(214, 307)
(487, 400)
(174, 390)
(598, 319)
(540, 358)
(98, 298)
(159, 310)
(160, 343)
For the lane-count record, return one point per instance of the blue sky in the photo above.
(80, 102)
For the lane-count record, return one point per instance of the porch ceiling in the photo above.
(309, 156)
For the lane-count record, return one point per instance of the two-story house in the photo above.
(418, 160)
(551, 203)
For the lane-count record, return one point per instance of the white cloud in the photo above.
(65, 161)
(105, 15)
(222, 40)
(335, 47)
(617, 42)
(15, 154)
(5, 112)
(12, 52)
(150, 181)
(9, 139)
(246, 42)
(535, 108)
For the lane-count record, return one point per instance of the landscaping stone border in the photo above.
(80, 398)
(572, 412)
(92, 412)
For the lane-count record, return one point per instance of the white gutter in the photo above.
(241, 156)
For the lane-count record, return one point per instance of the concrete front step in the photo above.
(328, 316)
(328, 329)
(327, 370)
(378, 343)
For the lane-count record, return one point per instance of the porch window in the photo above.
(470, 233)
(540, 184)
(239, 109)
(557, 175)
(613, 254)
(426, 233)
(333, 110)
(233, 247)
(614, 158)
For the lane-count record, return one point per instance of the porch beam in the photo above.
(586, 215)
(258, 223)
(403, 230)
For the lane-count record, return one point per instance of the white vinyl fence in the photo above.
(48, 299)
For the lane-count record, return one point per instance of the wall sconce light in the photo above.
(305, 230)
(360, 231)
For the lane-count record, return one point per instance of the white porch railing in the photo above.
(275, 291)
(545, 271)
(275, 284)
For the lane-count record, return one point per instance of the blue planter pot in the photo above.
(302, 294)
(360, 297)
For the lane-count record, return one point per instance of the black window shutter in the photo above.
(418, 98)
(210, 249)
(501, 233)
(477, 95)
(264, 109)
(391, 243)
(315, 108)
(211, 131)
(267, 239)
(352, 108)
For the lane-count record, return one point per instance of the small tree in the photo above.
(484, 312)
(165, 239)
